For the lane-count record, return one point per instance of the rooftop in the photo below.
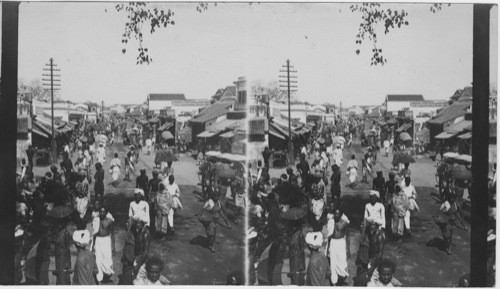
(211, 112)
(451, 112)
(166, 96)
(405, 97)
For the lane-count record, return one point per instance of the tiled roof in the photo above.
(466, 94)
(457, 94)
(451, 112)
(166, 96)
(214, 111)
(464, 125)
(405, 97)
(226, 124)
(230, 90)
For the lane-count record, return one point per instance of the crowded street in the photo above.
(420, 261)
(183, 250)
(309, 196)
(267, 144)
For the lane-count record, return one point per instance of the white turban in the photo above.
(314, 239)
(375, 193)
(81, 237)
(139, 191)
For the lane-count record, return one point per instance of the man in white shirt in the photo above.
(375, 209)
(174, 191)
(411, 193)
(337, 156)
(101, 154)
(139, 209)
(149, 144)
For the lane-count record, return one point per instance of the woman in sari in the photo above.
(164, 203)
(400, 205)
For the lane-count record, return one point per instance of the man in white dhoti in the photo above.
(175, 193)
(104, 245)
(338, 247)
(337, 156)
(409, 190)
(352, 171)
(101, 154)
(115, 169)
(149, 145)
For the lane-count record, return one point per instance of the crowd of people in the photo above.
(60, 209)
(295, 212)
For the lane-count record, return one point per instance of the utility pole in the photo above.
(54, 83)
(289, 87)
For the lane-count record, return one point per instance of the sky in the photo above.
(206, 51)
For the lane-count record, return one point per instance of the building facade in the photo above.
(398, 102)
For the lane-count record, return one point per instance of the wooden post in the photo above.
(480, 136)
(8, 135)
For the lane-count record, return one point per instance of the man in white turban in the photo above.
(318, 269)
(85, 268)
(139, 209)
(374, 209)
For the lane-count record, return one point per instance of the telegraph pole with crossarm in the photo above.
(54, 84)
(290, 86)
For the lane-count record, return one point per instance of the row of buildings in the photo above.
(217, 123)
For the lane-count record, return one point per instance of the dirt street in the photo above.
(186, 255)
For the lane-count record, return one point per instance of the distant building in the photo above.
(229, 93)
(189, 106)
(398, 102)
(447, 117)
(217, 96)
(356, 110)
(118, 109)
(423, 111)
(162, 101)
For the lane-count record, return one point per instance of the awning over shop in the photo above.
(404, 127)
(39, 132)
(165, 126)
(228, 134)
(277, 131)
(466, 135)
(276, 134)
(445, 135)
(302, 130)
(207, 134)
